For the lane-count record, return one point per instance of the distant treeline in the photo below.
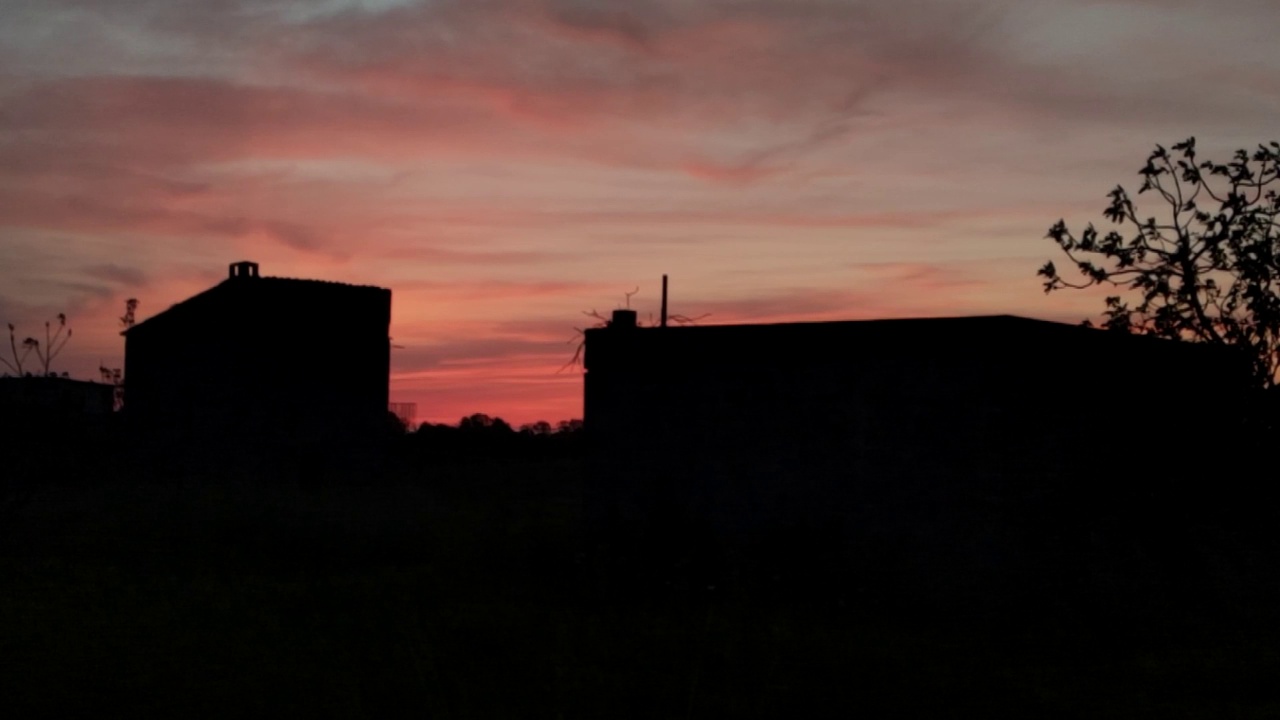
(479, 435)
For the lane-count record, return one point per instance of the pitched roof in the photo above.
(237, 283)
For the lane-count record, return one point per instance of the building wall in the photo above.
(814, 423)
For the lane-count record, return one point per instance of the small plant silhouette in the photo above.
(115, 376)
(130, 309)
(15, 365)
(54, 342)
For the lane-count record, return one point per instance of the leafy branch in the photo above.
(1207, 271)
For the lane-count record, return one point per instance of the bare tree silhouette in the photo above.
(579, 339)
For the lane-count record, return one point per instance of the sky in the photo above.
(505, 166)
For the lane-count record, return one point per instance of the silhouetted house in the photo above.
(830, 423)
(263, 367)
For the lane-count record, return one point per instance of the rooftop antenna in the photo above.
(664, 300)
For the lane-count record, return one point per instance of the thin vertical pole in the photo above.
(664, 301)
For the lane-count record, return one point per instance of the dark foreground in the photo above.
(468, 591)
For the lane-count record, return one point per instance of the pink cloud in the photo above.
(497, 289)
(740, 174)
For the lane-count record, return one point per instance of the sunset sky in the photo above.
(504, 165)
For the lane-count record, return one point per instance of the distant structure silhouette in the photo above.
(263, 367)
(53, 397)
(406, 413)
(889, 424)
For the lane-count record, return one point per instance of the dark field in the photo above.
(468, 591)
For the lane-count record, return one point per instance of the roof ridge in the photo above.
(851, 321)
(318, 281)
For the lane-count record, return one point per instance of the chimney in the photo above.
(623, 319)
(243, 269)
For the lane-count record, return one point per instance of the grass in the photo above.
(466, 591)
